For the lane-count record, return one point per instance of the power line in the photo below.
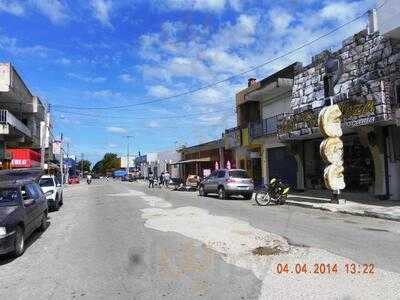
(144, 118)
(215, 83)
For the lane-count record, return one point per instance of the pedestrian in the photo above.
(167, 178)
(161, 179)
(151, 180)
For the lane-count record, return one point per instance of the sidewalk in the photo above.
(354, 204)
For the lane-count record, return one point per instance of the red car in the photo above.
(73, 179)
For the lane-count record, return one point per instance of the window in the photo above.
(32, 191)
(46, 182)
(238, 174)
(221, 174)
(38, 189)
(8, 195)
(213, 174)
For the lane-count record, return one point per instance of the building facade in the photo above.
(362, 77)
(24, 120)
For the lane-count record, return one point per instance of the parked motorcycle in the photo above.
(275, 193)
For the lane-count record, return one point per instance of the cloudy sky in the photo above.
(87, 57)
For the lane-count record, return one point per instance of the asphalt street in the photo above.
(120, 240)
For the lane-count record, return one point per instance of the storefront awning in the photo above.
(205, 159)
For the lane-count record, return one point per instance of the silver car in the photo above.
(226, 182)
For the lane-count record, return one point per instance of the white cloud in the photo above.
(159, 91)
(55, 10)
(102, 10)
(116, 129)
(12, 46)
(64, 61)
(12, 7)
(127, 78)
(280, 19)
(87, 78)
(200, 5)
(103, 94)
(154, 124)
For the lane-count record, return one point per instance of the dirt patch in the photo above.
(265, 251)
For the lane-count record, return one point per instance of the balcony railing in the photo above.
(268, 126)
(8, 118)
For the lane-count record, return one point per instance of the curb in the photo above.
(354, 213)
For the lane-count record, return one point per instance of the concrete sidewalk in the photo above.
(354, 204)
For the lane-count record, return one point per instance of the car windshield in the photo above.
(8, 195)
(46, 182)
(238, 174)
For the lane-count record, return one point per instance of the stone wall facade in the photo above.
(369, 65)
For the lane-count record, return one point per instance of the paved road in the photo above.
(122, 241)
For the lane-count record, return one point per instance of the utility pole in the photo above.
(61, 161)
(43, 138)
(82, 156)
(127, 155)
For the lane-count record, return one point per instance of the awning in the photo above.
(205, 159)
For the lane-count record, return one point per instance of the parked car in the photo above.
(73, 179)
(53, 190)
(226, 182)
(23, 209)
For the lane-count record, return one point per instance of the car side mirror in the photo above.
(28, 202)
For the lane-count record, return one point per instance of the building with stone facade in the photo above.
(363, 78)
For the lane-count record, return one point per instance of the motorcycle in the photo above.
(275, 193)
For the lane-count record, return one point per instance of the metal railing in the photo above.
(8, 118)
(268, 126)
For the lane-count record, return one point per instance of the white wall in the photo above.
(389, 18)
(281, 105)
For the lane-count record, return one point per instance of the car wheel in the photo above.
(19, 242)
(43, 224)
(56, 204)
(221, 193)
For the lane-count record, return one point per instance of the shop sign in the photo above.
(353, 114)
(21, 163)
(57, 147)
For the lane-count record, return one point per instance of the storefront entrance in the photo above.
(358, 165)
(282, 165)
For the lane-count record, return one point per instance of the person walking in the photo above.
(151, 179)
(161, 179)
(167, 178)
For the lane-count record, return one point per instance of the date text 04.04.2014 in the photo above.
(325, 268)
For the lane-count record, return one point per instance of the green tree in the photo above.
(85, 165)
(98, 167)
(109, 162)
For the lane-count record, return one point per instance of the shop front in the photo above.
(358, 165)
(24, 158)
(201, 160)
